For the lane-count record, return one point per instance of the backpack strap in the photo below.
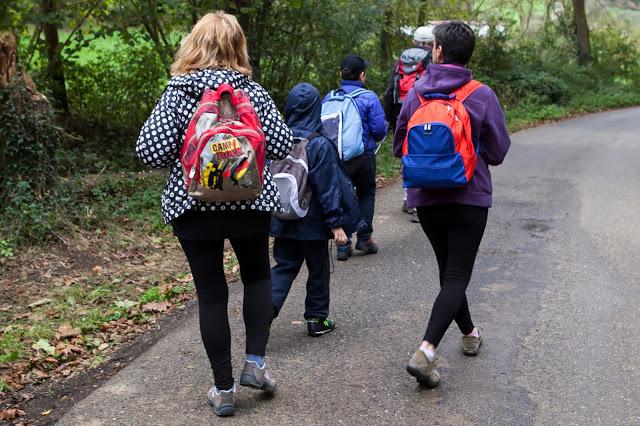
(462, 93)
(357, 93)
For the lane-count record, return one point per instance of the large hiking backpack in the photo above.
(223, 154)
(438, 151)
(291, 176)
(410, 67)
(343, 124)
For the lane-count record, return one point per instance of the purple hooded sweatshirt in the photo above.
(488, 128)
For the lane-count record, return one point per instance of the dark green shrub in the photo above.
(29, 137)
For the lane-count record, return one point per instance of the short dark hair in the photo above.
(457, 41)
(352, 66)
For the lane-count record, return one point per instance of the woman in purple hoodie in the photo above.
(454, 219)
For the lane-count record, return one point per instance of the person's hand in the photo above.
(339, 236)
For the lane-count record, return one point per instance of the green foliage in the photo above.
(28, 141)
(106, 92)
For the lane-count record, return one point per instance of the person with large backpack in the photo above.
(354, 120)
(215, 127)
(319, 205)
(410, 66)
(450, 130)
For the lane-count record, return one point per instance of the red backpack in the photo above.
(438, 151)
(409, 69)
(223, 154)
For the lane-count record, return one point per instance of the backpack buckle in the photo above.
(427, 128)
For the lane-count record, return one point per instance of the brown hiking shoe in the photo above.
(222, 402)
(471, 344)
(423, 370)
(258, 378)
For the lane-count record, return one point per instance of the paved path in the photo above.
(556, 288)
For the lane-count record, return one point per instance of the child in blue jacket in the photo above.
(333, 213)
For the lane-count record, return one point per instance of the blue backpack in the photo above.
(343, 124)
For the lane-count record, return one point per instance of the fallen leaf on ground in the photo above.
(156, 306)
(97, 269)
(39, 302)
(10, 414)
(125, 304)
(68, 281)
(103, 346)
(44, 345)
(186, 279)
(46, 413)
(65, 331)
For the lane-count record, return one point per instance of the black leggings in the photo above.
(206, 262)
(455, 232)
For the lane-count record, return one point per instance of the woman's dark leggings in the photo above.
(455, 232)
(206, 262)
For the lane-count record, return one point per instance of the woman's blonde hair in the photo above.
(216, 41)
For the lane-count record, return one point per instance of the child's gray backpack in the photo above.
(291, 176)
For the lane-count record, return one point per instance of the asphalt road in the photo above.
(556, 289)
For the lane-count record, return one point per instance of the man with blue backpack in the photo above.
(354, 120)
(318, 204)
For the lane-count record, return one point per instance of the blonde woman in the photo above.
(215, 52)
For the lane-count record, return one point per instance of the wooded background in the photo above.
(103, 63)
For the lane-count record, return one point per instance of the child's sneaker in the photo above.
(344, 252)
(471, 344)
(423, 370)
(222, 402)
(318, 326)
(257, 378)
(367, 245)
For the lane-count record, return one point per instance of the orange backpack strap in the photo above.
(463, 92)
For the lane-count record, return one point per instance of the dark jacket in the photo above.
(488, 130)
(333, 202)
(374, 127)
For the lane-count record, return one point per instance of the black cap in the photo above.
(353, 64)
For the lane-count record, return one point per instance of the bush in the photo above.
(118, 90)
(28, 141)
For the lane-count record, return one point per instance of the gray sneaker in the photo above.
(471, 344)
(423, 370)
(256, 377)
(222, 402)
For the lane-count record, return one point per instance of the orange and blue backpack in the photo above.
(438, 151)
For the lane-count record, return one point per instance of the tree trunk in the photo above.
(385, 37)
(55, 68)
(8, 58)
(582, 32)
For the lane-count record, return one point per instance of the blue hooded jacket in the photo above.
(374, 125)
(333, 201)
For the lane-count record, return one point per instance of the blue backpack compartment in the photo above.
(343, 124)
(432, 161)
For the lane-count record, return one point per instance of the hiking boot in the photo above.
(423, 370)
(414, 215)
(368, 246)
(222, 402)
(318, 326)
(256, 377)
(344, 253)
(405, 208)
(471, 344)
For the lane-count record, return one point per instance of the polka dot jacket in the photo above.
(163, 133)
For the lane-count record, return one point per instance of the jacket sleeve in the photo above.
(494, 139)
(376, 119)
(409, 105)
(388, 101)
(323, 176)
(279, 138)
(160, 138)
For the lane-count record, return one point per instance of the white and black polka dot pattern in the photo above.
(163, 133)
